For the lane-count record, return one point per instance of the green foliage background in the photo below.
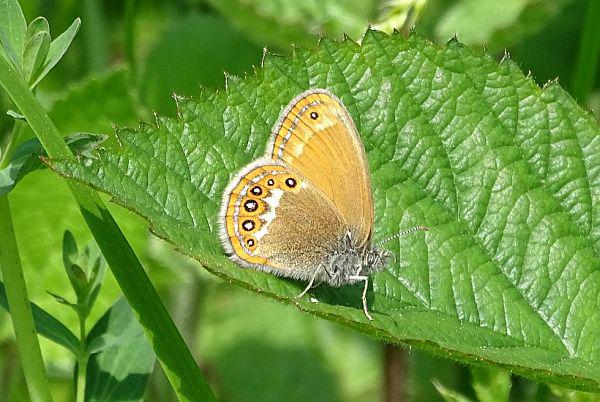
(124, 65)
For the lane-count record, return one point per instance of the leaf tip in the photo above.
(230, 81)
(372, 34)
(550, 84)
(453, 40)
(226, 76)
(265, 53)
(178, 99)
(326, 40)
(156, 119)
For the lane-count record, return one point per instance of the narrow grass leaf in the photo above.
(47, 326)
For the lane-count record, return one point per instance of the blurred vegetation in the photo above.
(127, 61)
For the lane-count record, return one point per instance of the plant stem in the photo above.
(82, 361)
(394, 373)
(16, 289)
(179, 365)
(9, 141)
(587, 57)
(20, 311)
(94, 35)
(130, 14)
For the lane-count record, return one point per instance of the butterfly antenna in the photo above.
(403, 233)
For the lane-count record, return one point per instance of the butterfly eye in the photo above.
(250, 205)
(248, 225)
(291, 182)
(314, 115)
(251, 243)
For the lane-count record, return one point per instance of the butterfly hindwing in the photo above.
(317, 137)
(274, 219)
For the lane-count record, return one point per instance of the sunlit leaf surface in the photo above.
(504, 173)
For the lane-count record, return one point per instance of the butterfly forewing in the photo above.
(317, 137)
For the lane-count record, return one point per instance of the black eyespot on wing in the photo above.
(250, 205)
(291, 182)
(314, 115)
(270, 182)
(250, 242)
(248, 225)
(256, 190)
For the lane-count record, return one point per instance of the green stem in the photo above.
(176, 359)
(130, 13)
(82, 361)
(589, 50)
(16, 288)
(20, 311)
(94, 35)
(8, 143)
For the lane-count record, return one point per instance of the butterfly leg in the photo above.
(310, 283)
(365, 279)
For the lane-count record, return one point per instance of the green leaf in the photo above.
(47, 326)
(73, 262)
(448, 394)
(398, 15)
(176, 359)
(497, 24)
(491, 385)
(8, 51)
(15, 115)
(566, 395)
(503, 172)
(26, 158)
(59, 299)
(281, 22)
(85, 271)
(57, 49)
(37, 45)
(120, 371)
(34, 54)
(101, 101)
(326, 356)
(13, 30)
(70, 250)
(37, 25)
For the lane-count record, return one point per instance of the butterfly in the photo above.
(305, 209)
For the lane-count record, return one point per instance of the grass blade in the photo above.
(179, 365)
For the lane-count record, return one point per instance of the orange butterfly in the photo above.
(305, 210)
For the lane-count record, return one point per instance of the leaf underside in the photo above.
(504, 173)
(121, 358)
